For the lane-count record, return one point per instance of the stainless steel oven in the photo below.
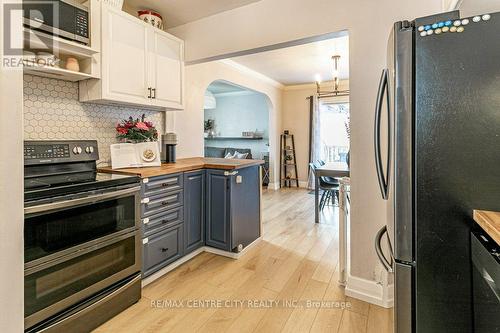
(82, 238)
(77, 247)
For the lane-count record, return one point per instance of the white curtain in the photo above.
(315, 152)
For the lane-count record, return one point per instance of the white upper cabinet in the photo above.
(167, 69)
(141, 65)
(125, 58)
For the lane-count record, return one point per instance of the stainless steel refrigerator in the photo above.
(437, 151)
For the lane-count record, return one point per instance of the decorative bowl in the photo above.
(151, 17)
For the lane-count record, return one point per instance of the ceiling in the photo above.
(299, 64)
(178, 12)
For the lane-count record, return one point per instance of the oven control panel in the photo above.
(46, 152)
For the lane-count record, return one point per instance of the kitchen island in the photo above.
(196, 205)
(489, 222)
(187, 164)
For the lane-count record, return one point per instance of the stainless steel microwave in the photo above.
(63, 18)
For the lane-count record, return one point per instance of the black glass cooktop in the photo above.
(47, 186)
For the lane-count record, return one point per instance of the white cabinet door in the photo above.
(167, 70)
(124, 58)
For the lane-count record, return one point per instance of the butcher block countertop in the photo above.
(186, 164)
(490, 222)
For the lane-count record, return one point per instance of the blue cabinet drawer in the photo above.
(162, 248)
(162, 184)
(160, 203)
(163, 220)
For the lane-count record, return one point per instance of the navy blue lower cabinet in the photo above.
(232, 208)
(245, 207)
(194, 210)
(217, 232)
(161, 249)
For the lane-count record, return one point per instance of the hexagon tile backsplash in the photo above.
(52, 112)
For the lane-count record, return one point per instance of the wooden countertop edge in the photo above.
(182, 166)
(489, 222)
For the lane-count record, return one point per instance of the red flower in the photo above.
(128, 124)
(142, 126)
(149, 124)
(122, 130)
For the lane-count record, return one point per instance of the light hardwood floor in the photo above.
(295, 262)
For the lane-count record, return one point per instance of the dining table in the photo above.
(332, 169)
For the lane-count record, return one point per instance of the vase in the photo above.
(72, 64)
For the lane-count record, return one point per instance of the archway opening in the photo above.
(236, 124)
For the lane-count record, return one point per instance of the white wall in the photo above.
(11, 196)
(476, 7)
(237, 112)
(369, 22)
(188, 124)
(449, 5)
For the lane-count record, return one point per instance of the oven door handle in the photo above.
(80, 201)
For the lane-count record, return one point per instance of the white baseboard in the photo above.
(276, 185)
(370, 291)
(273, 186)
(193, 254)
(232, 255)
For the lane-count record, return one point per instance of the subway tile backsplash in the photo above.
(52, 112)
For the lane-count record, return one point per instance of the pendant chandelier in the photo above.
(336, 81)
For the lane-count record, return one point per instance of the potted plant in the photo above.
(209, 128)
(136, 130)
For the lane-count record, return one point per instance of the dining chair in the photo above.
(330, 189)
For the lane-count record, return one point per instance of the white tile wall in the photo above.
(52, 112)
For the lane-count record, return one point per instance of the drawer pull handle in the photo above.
(168, 200)
(169, 218)
(169, 182)
(164, 249)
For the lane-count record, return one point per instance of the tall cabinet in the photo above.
(140, 64)
(232, 208)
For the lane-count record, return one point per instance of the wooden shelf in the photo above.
(227, 138)
(57, 73)
(36, 40)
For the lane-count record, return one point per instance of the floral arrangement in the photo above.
(136, 130)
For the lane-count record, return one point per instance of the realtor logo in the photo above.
(21, 43)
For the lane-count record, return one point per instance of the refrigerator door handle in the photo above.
(382, 180)
(378, 249)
